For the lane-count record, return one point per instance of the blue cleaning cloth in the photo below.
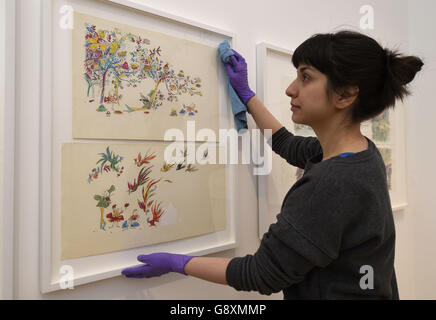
(238, 108)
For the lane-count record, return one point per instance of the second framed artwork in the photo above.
(275, 72)
(122, 196)
(113, 81)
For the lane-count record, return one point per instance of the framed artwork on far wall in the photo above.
(275, 72)
(387, 131)
(108, 195)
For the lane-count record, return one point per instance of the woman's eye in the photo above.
(305, 77)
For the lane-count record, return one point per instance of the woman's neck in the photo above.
(336, 140)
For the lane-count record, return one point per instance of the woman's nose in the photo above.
(291, 91)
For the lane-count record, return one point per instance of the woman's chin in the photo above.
(298, 121)
(295, 119)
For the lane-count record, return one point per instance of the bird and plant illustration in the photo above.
(142, 204)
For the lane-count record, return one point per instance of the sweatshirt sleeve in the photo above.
(283, 259)
(307, 234)
(295, 150)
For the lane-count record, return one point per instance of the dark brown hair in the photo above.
(349, 58)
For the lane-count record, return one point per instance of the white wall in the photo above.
(7, 81)
(283, 23)
(2, 120)
(422, 148)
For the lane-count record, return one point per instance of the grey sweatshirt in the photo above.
(335, 235)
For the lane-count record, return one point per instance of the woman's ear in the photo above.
(347, 96)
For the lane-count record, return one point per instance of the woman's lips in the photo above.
(294, 107)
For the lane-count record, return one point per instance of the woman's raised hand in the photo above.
(238, 76)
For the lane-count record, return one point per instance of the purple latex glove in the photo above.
(158, 264)
(238, 76)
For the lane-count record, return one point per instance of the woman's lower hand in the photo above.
(157, 264)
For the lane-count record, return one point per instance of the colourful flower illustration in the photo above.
(114, 61)
(147, 193)
(116, 215)
(108, 162)
(139, 161)
(132, 222)
(157, 213)
(104, 201)
(142, 178)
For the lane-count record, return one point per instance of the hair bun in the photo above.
(402, 69)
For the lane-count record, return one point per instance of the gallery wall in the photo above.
(7, 82)
(421, 145)
(283, 23)
(2, 152)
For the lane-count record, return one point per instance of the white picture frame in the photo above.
(55, 124)
(271, 189)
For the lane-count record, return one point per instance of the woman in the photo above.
(335, 235)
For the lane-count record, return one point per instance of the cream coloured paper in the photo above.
(130, 83)
(95, 218)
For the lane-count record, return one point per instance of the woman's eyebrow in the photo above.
(302, 69)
